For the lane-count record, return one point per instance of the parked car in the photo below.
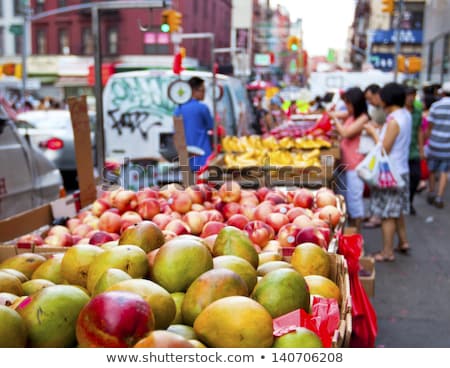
(27, 178)
(51, 132)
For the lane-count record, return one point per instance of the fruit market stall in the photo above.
(201, 254)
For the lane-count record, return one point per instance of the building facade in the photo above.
(436, 45)
(374, 33)
(61, 47)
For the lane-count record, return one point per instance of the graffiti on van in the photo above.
(137, 104)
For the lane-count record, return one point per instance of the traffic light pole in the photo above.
(397, 38)
(95, 7)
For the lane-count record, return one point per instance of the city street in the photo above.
(411, 294)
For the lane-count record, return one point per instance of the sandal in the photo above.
(371, 224)
(380, 257)
(403, 248)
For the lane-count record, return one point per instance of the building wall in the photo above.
(7, 39)
(436, 46)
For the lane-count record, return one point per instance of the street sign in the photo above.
(16, 29)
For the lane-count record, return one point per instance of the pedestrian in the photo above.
(350, 133)
(438, 159)
(377, 118)
(416, 146)
(259, 125)
(276, 115)
(391, 204)
(198, 122)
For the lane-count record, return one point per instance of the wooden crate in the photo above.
(11, 250)
(271, 176)
(368, 282)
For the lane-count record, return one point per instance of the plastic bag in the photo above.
(364, 318)
(322, 126)
(368, 168)
(424, 172)
(387, 175)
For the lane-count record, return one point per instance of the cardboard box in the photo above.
(368, 282)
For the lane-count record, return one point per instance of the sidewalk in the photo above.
(412, 294)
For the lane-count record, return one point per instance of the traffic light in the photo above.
(388, 6)
(175, 19)
(293, 43)
(165, 27)
(171, 21)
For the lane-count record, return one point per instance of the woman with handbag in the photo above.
(350, 132)
(391, 203)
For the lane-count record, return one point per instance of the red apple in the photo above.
(59, 240)
(295, 212)
(303, 198)
(326, 232)
(195, 221)
(146, 193)
(92, 221)
(82, 230)
(248, 211)
(259, 232)
(180, 202)
(283, 208)
(178, 227)
(325, 198)
(29, 240)
(148, 208)
(212, 228)
(277, 220)
(110, 222)
(58, 230)
(275, 198)
(125, 200)
(263, 210)
(230, 209)
(129, 218)
(196, 194)
(72, 223)
(114, 319)
(197, 207)
(238, 220)
(168, 235)
(83, 214)
(162, 219)
(330, 214)
(99, 206)
(311, 235)
(303, 221)
(208, 192)
(230, 191)
(262, 192)
(100, 237)
(287, 235)
(214, 215)
(317, 222)
(248, 198)
(208, 205)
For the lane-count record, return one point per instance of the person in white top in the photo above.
(395, 137)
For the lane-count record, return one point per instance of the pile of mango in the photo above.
(270, 143)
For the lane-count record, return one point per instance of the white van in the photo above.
(138, 114)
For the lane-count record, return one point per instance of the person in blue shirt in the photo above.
(197, 121)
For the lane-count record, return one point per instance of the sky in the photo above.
(325, 22)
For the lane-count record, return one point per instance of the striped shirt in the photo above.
(439, 142)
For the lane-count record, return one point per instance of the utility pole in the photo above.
(26, 23)
(397, 38)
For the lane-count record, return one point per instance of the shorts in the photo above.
(353, 192)
(441, 165)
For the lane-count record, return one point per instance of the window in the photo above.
(40, 6)
(63, 42)
(446, 63)
(61, 3)
(17, 7)
(41, 42)
(18, 44)
(87, 43)
(112, 41)
(2, 47)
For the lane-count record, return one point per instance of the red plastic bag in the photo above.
(323, 320)
(424, 172)
(364, 318)
(322, 127)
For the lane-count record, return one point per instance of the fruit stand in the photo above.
(178, 263)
